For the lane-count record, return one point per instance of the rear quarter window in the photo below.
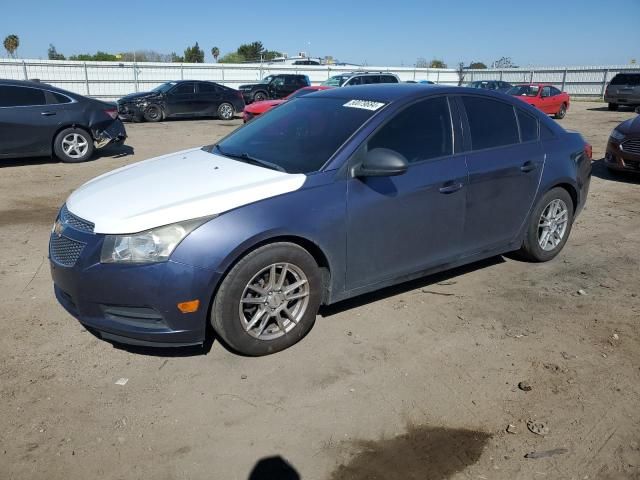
(491, 123)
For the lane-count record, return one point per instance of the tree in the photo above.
(11, 44)
(215, 53)
(435, 63)
(251, 51)
(175, 58)
(233, 57)
(421, 62)
(194, 54)
(504, 62)
(53, 53)
(477, 65)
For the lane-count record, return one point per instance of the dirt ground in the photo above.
(418, 381)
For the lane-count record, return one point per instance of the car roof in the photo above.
(393, 92)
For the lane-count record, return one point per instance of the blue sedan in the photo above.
(326, 197)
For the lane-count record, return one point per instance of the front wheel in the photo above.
(549, 226)
(73, 145)
(269, 300)
(225, 111)
(260, 97)
(153, 113)
(562, 112)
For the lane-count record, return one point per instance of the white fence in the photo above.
(111, 80)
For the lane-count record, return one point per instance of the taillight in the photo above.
(588, 151)
(112, 112)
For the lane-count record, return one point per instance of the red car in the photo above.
(256, 108)
(545, 97)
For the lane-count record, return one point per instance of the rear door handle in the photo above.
(450, 187)
(528, 167)
(47, 114)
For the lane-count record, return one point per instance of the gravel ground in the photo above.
(415, 381)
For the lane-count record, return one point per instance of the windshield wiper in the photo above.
(246, 158)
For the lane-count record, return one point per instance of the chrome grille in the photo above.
(68, 218)
(631, 146)
(65, 251)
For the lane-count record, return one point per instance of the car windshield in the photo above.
(524, 91)
(336, 81)
(299, 136)
(165, 87)
(267, 79)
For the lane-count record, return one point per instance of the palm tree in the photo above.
(215, 51)
(11, 44)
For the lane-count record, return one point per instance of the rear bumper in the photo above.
(114, 134)
(631, 99)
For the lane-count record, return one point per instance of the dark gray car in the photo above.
(624, 89)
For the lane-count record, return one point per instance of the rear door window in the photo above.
(184, 89)
(207, 88)
(528, 126)
(419, 132)
(388, 79)
(12, 96)
(491, 123)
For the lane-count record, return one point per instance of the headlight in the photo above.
(155, 245)
(617, 134)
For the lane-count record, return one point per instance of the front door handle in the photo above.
(47, 114)
(528, 167)
(450, 187)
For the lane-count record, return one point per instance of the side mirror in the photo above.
(381, 162)
(638, 110)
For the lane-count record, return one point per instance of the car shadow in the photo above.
(116, 151)
(606, 109)
(273, 468)
(599, 169)
(434, 279)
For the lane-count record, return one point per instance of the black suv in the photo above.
(273, 87)
(624, 89)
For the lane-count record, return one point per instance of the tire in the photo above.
(73, 145)
(532, 248)
(260, 96)
(613, 106)
(153, 113)
(241, 325)
(562, 112)
(225, 111)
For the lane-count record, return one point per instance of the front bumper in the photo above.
(133, 304)
(130, 112)
(617, 159)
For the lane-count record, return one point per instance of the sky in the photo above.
(532, 33)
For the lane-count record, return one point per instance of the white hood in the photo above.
(168, 189)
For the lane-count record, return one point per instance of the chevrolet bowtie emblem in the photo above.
(58, 228)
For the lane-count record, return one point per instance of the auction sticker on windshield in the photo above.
(364, 104)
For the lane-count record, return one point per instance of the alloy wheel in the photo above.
(552, 225)
(75, 145)
(274, 301)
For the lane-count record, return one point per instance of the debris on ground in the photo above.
(539, 428)
(122, 381)
(432, 292)
(525, 386)
(582, 292)
(243, 376)
(511, 429)
(546, 453)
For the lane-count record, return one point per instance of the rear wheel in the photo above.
(260, 96)
(73, 145)
(269, 300)
(225, 111)
(549, 226)
(153, 113)
(562, 112)
(613, 106)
